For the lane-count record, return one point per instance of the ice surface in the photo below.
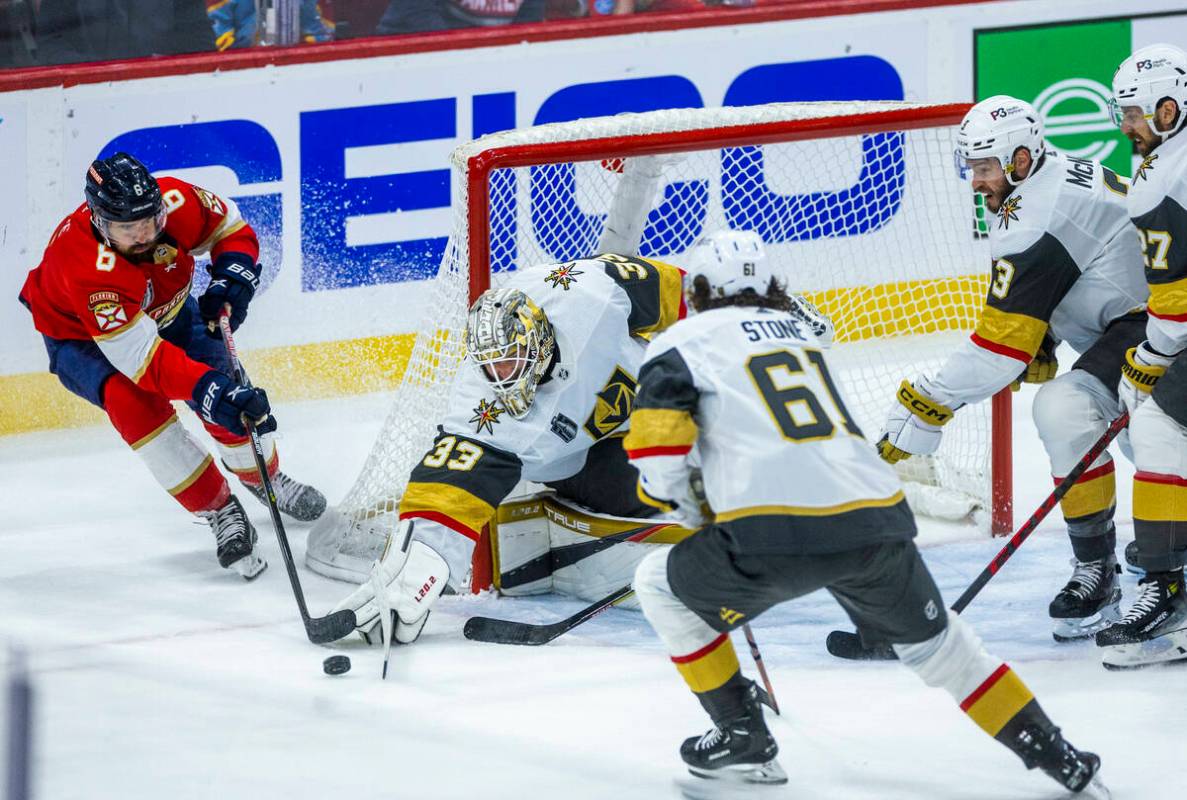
(160, 675)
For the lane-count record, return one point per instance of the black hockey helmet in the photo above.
(121, 189)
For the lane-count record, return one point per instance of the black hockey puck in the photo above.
(336, 665)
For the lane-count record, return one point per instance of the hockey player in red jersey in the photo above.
(111, 297)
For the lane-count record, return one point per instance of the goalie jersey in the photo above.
(1158, 208)
(600, 308)
(1064, 267)
(783, 462)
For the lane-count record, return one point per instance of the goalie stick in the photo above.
(505, 631)
(844, 644)
(320, 630)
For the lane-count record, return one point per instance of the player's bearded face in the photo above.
(1136, 128)
(136, 237)
(989, 181)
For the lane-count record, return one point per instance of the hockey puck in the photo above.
(336, 665)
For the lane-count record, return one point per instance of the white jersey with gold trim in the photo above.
(751, 389)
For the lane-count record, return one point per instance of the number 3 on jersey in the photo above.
(780, 380)
(466, 455)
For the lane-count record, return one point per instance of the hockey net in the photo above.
(860, 210)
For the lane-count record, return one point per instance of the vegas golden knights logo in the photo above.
(613, 406)
(1146, 166)
(1009, 211)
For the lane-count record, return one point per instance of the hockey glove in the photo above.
(913, 426)
(220, 401)
(1042, 368)
(1142, 368)
(414, 579)
(233, 281)
(816, 320)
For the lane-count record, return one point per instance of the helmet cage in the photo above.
(505, 328)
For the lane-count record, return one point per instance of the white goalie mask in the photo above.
(731, 262)
(995, 128)
(1145, 79)
(512, 342)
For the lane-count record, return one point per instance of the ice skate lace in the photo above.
(710, 739)
(1085, 579)
(227, 524)
(1149, 595)
(287, 490)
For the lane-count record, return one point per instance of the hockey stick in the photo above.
(762, 670)
(844, 644)
(569, 554)
(505, 631)
(320, 630)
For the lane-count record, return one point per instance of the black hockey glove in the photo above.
(233, 281)
(221, 401)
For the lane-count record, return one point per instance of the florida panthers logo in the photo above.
(1009, 211)
(1147, 164)
(613, 404)
(563, 276)
(486, 416)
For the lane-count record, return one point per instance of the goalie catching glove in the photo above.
(1142, 368)
(913, 427)
(414, 578)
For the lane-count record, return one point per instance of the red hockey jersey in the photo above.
(83, 289)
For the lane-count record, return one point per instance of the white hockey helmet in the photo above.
(731, 262)
(995, 128)
(1147, 77)
(511, 341)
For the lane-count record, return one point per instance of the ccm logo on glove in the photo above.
(927, 411)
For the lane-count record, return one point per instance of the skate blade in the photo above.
(726, 784)
(768, 773)
(1095, 790)
(1169, 648)
(250, 566)
(1071, 630)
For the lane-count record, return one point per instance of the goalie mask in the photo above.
(511, 340)
(995, 128)
(1145, 79)
(731, 262)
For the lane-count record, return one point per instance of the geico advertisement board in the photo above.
(343, 168)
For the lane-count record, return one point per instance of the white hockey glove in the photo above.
(816, 320)
(913, 427)
(1142, 368)
(414, 579)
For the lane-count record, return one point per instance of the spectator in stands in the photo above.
(235, 23)
(18, 47)
(418, 16)
(70, 31)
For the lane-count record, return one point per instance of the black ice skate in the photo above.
(742, 750)
(1043, 746)
(236, 538)
(1153, 630)
(1089, 602)
(299, 500)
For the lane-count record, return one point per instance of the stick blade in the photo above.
(844, 644)
(502, 631)
(331, 627)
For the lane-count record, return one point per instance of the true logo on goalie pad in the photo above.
(613, 406)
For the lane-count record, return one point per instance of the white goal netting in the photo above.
(859, 206)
